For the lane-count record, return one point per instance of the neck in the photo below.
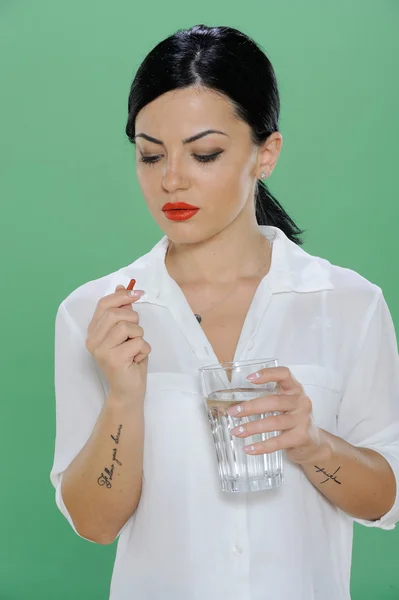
(226, 257)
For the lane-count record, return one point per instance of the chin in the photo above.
(184, 233)
(178, 236)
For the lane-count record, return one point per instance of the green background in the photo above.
(72, 211)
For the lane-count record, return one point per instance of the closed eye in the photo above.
(201, 158)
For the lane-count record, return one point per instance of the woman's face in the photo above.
(221, 186)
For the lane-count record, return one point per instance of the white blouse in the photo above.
(188, 540)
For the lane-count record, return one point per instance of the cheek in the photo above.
(149, 183)
(229, 188)
(144, 177)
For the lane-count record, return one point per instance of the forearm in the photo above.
(357, 480)
(101, 487)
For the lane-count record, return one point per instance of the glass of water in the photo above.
(224, 385)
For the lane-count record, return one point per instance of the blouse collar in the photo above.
(292, 269)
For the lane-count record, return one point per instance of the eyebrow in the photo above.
(194, 138)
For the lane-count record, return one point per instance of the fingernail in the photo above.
(234, 410)
(237, 430)
(249, 449)
(253, 377)
(136, 293)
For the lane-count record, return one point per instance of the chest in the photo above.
(290, 327)
(223, 323)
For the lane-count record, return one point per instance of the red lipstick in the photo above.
(179, 211)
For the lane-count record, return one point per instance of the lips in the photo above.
(179, 211)
(178, 206)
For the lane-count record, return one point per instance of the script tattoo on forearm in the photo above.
(106, 476)
(330, 476)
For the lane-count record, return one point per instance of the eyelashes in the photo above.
(201, 158)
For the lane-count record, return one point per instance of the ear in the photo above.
(269, 152)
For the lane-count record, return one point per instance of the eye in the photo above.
(149, 160)
(201, 158)
(205, 158)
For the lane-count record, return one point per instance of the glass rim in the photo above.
(237, 363)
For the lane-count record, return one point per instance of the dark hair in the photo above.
(227, 61)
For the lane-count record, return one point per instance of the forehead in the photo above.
(183, 111)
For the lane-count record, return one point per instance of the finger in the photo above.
(287, 439)
(266, 425)
(122, 332)
(140, 357)
(118, 299)
(280, 375)
(264, 404)
(134, 350)
(109, 319)
(123, 354)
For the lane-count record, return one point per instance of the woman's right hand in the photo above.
(115, 340)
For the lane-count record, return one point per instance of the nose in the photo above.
(174, 178)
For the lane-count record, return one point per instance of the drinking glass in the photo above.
(224, 385)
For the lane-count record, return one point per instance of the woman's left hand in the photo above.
(300, 436)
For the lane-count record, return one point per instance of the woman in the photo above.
(228, 281)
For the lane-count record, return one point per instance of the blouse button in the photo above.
(236, 550)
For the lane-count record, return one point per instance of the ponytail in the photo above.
(270, 212)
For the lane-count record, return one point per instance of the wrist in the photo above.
(117, 400)
(322, 451)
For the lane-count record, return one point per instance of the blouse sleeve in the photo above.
(369, 411)
(79, 395)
